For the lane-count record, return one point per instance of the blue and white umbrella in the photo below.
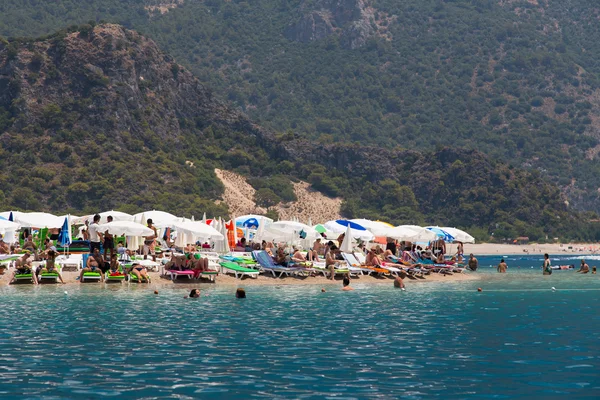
(358, 231)
(442, 234)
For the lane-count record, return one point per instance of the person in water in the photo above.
(346, 284)
(546, 267)
(502, 267)
(194, 294)
(240, 293)
(584, 268)
(399, 283)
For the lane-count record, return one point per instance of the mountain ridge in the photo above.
(99, 117)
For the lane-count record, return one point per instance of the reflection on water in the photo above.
(517, 338)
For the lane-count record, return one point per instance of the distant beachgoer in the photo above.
(30, 246)
(398, 283)
(240, 293)
(594, 269)
(194, 294)
(94, 234)
(584, 268)
(460, 250)
(546, 267)
(439, 247)
(346, 284)
(109, 241)
(391, 246)
(140, 272)
(331, 262)
(502, 267)
(473, 263)
(149, 246)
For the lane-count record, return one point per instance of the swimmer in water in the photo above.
(194, 294)
(346, 284)
(502, 267)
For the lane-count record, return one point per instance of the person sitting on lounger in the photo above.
(298, 257)
(23, 266)
(140, 272)
(372, 260)
(200, 266)
(114, 267)
(51, 265)
(440, 259)
(92, 265)
(281, 257)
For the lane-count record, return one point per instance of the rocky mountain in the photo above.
(97, 117)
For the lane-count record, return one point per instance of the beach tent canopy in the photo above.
(358, 231)
(196, 229)
(38, 220)
(459, 235)
(126, 228)
(160, 219)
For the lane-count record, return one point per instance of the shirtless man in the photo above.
(473, 263)
(51, 266)
(93, 265)
(584, 268)
(502, 267)
(439, 247)
(149, 242)
(346, 284)
(23, 266)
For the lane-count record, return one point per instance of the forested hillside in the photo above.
(516, 79)
(97, 117)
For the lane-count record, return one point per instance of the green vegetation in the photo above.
(73, 153)
(514, 80)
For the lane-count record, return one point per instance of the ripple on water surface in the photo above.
(515, 339)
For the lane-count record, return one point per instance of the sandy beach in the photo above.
(514, 249)
(161, 282)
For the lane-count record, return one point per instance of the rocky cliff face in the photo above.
(353, 20)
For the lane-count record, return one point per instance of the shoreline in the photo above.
(228, 281)
(493, 249)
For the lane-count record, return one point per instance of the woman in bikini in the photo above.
(140, 272)
(51, 265)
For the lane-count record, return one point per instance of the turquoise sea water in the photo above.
(515, 339)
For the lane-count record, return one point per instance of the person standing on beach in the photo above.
(94, 234)
(149, 242)
(546, 267)
(502, 267)
(473, 263)
(109, 241)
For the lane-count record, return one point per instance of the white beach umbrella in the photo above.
(288, 231)
(375, 227)
(226, 248)
(252, 220)
(358, 231)
(160, 219)
(126, 228)
(421, 234)
(197, 229)
(459, 235)
(38, 220)
(117, 216)
(346, 245)
(6, 225)
(204, 217)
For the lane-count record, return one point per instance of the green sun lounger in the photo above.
(237, 270)
(23, 278)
